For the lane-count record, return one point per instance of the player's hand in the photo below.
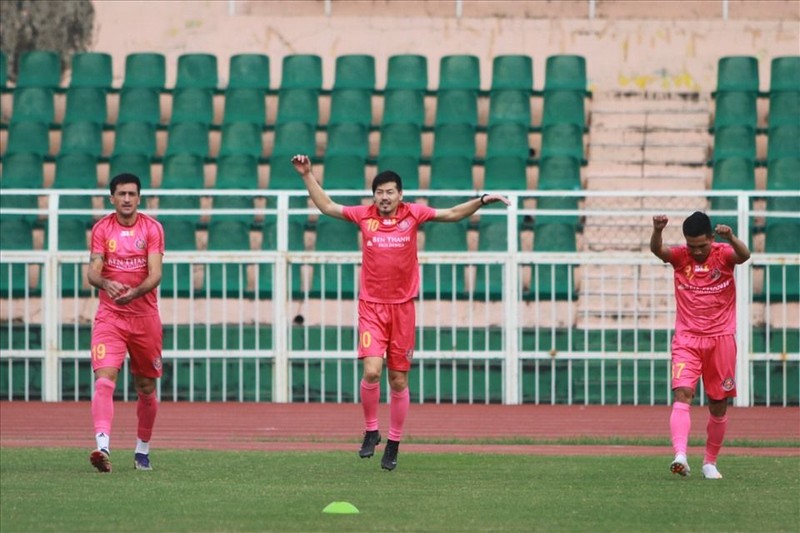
(115, 289)
(302, 164)
(660, 222)
(724, 231)
(126, 297)
(492, 198)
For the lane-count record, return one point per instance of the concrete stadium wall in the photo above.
(623, 54)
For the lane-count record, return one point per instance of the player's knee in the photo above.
(683, 394)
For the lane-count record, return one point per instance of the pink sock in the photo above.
(370, 398)
(146, 410)
(715, 435)
(680, 423)
(398, 409)
(103, 405)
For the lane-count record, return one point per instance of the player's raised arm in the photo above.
(465, 209)
(302, 164)
(656, 241)
(740, 248)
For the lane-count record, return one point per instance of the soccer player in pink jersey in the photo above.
(704, 344)
(125, 265)
(389, 283)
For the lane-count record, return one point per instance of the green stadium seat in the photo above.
(28, 138)
(75, 171)
(459, 72)
(135, 138)
(784, 108)
(492, 237)
(72, 236)
(560, 172)
(505, 172)
(348, 139)
(301, 71)
(565, 72)
(510, 106)
(290, 138)
(296, 242)
(444, 281)
(451, 172)
(92, 69)
(182, 171)
(15, 234)
(39, 68)
(179, 236)
(783, 281)
(332, 280)
(403, 106)
(21, 171)
(351, 106)
(785, 74)
(241, 138)
(454, 139)
(197, 71)
(298, 105)
(192, 105)
(136, 164)
(406, 166)
(737, 73)
(457, 106)
(509, 139)
(344, 172)
(3, 71)
(86, 104)
(562, 140)
(563, 107)
(239, 171)
(783, 175)
(735, 108)
(245, 105)
(139, 104)
(407, 71)
(735, 174)
(551, 281)
(557, 203)
(249, 71)
(188, 138)
(512, 72)
(221, 279)
(145, 70)
(401, 139)
(734, 141)
(783, 142)
(33, 104)
(354, 71)
(82, 138)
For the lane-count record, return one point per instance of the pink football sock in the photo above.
(103, 405)
(680, 423)
(146, 410)
(370, 398)
(715, 435)
(398, 409)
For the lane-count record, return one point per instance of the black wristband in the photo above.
(481, 198)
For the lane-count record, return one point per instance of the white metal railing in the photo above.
(608, 338)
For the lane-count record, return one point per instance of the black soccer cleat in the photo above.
(371, 439)
(389, 461)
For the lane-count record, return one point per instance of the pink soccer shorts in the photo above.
(114, 336)
(713, 358)
(387, 329)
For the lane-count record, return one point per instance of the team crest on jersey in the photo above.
(728, 384)
(157, 364)
(403, 225)
(716, 274)
(140, 244)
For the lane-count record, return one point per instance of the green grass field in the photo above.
(199, 491)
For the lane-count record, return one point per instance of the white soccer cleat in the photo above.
(680, 465)
(710, 471)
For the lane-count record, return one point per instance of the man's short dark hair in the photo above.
(125, 177)
(697, 224)
(385, 177)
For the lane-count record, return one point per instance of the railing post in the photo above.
(743, 277)
(50, 290)
(280, 323)
(511, 308)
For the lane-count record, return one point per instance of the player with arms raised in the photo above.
(389, 283)
(705, 330)
(126, 253)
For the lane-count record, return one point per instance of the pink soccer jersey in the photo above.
(705, 293)
(390, 269)
(125, 250)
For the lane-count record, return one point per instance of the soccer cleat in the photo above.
(710, 471)
(141, 461)
(101, 460)
(680, 465)
(389, 461)
(371, 439)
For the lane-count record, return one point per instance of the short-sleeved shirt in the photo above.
(705, 293)
(390, 268)
(125, 250)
